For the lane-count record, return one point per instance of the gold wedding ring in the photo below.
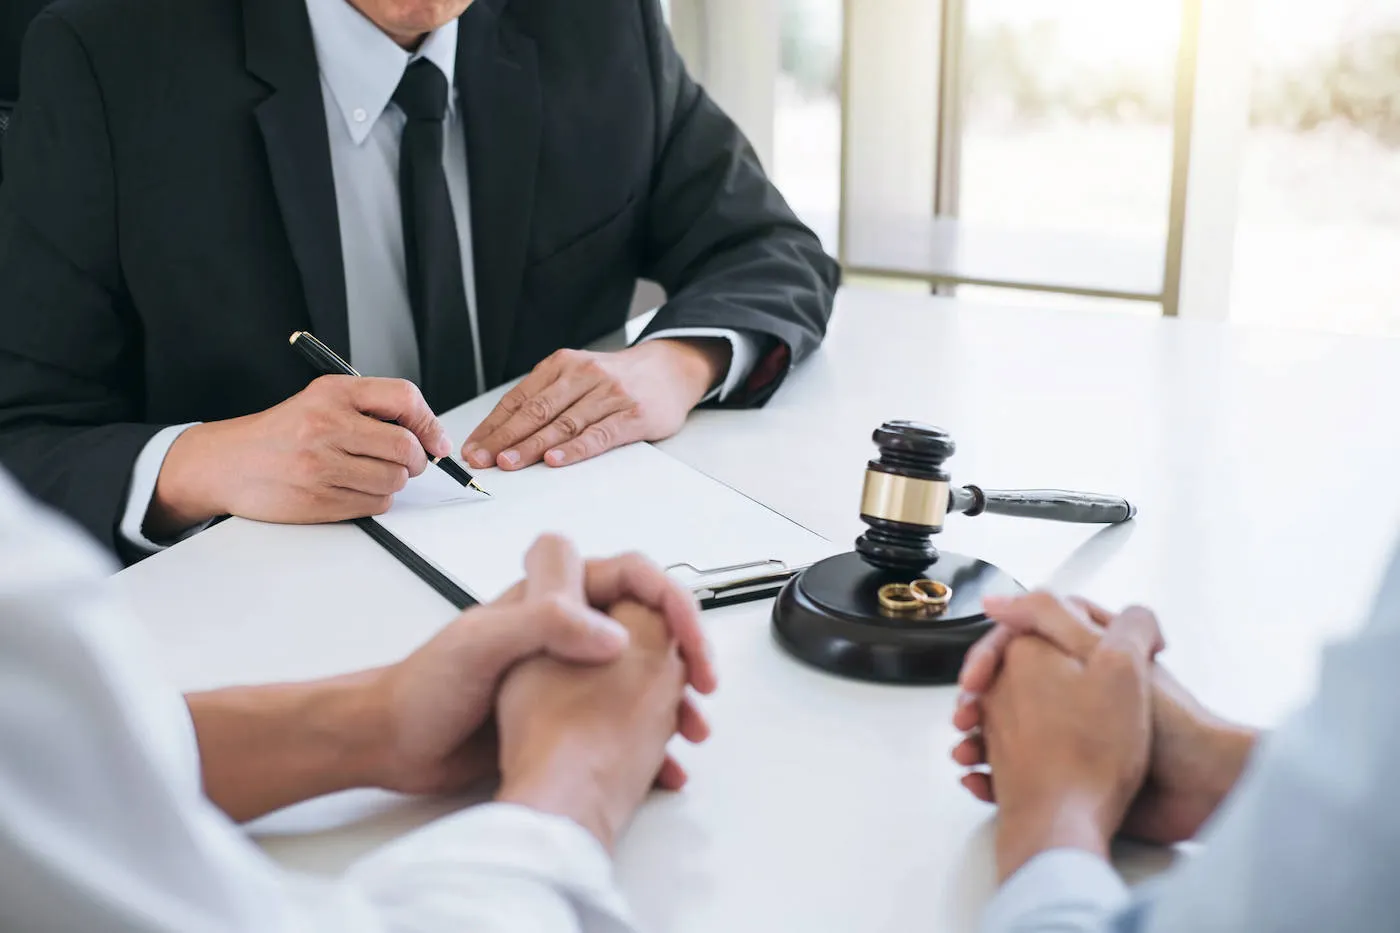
(899, 598)
(920, 598)
(932, 596)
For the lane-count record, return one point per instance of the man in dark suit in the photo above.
(450, 192)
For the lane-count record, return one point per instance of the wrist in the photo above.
(1065, 823)
(562, 785)
(358, 727)
(184, 495)
(699, 362)
(1227, 749)
(402, 746)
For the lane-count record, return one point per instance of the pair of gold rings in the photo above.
(922, 597)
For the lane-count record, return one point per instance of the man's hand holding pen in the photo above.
(327, 454)
(342, 447)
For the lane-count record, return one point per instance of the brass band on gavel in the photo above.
(904, 499)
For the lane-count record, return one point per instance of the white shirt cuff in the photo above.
(744, 351)
(498, 866)
(143, 489)
(1065, 890)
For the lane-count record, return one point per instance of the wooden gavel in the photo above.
(835, 614)
(908, 494)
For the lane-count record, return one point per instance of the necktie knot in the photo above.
(422, 92)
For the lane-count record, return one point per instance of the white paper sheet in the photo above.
(433, 487)
(632, 499)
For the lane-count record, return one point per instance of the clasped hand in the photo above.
(1084, 733)
(579, 672)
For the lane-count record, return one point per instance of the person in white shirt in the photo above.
(118, 797)
(1085, 737)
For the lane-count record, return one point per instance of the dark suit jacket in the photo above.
(168, 216)
(15, 17)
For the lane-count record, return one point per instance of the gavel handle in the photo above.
(1056, 505)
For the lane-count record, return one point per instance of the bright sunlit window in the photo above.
(1067, 126)
(1067, 111)
(1318, 244)
(807, 137)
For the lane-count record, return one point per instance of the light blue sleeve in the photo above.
(1310, 838)
(1063, 891)
(142, 490)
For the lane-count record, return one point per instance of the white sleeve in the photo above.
(744, 352)
(143, 489)
(103, 823)
(494, 869)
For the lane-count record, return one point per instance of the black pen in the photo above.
(329, 363)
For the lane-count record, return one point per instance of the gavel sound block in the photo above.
(831, 616)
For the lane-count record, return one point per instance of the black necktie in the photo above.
(432, 252)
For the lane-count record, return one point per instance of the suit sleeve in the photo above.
(720, 238)
(70, 365)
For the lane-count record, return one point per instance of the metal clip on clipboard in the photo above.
(750, 582)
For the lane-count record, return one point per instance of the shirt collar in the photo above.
(363, 66)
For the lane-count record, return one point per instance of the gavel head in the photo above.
(906, 497)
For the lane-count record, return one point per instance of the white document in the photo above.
(433, 487)
(634, 498)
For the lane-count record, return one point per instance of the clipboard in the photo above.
(738, 583)
(632, 499)
(445, 586)
(761, 582)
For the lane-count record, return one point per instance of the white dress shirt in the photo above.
(1308, 841)
(360, 69)
(104, 826)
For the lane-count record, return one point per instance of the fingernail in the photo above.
(444, 445)
(554, 457)
(966, 699)
(608, 627)
(478, 457)
(511, 456)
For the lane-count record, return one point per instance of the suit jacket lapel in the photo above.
(498, 84)
(281, 52)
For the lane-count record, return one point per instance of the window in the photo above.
(1318, 242)
(987, 144)
(1067, 116)
(807, 136)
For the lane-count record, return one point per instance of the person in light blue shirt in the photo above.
(1084, 736)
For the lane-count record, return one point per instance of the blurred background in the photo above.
(1087, 153)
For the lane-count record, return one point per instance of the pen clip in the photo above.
(770, 576)
(713, 571)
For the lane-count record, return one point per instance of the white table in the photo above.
(1264, 465)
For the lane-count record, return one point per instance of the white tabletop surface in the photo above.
(1264, 466)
